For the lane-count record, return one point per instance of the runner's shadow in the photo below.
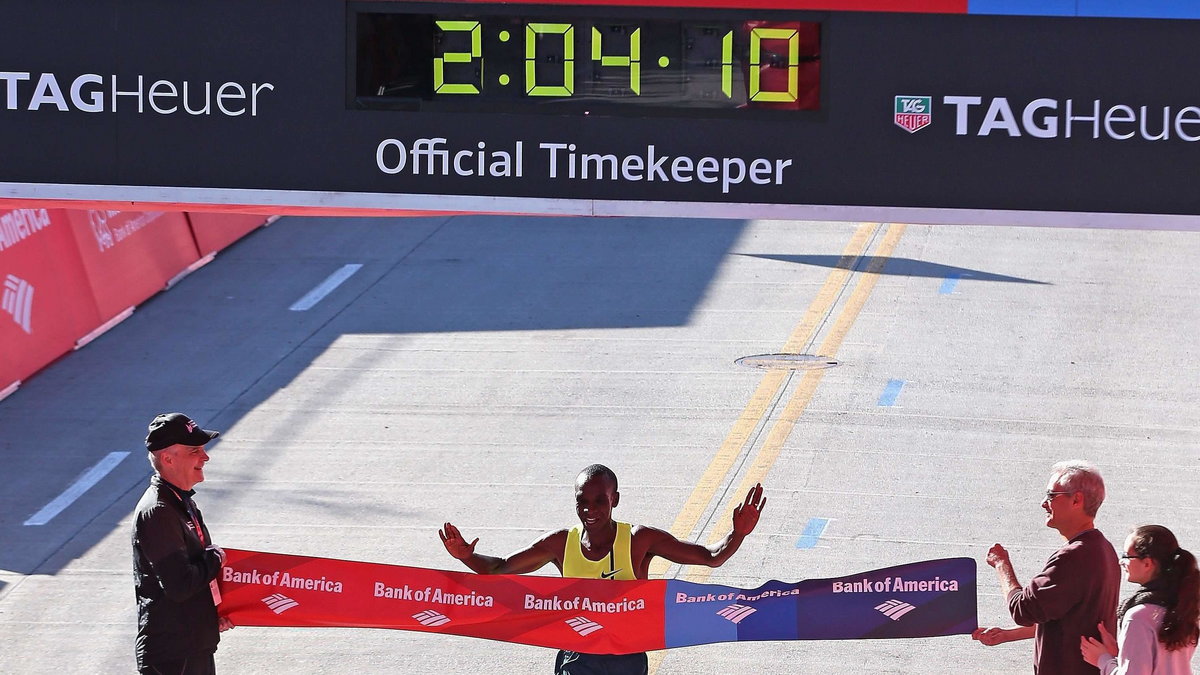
(901, 267)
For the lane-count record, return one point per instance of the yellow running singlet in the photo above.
(616, 565)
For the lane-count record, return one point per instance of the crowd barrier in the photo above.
(66, 276)
(926, 598)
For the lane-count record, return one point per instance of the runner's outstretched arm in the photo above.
(745, 519)
(526, 560)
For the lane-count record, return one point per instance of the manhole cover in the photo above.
(787, 362)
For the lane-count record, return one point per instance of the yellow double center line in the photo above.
(764, 397)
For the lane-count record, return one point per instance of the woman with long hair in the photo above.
(1158, 626)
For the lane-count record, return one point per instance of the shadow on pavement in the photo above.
(903, 267)
(223, 341)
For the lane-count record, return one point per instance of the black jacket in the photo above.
(171, 571)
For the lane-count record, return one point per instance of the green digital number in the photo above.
(727, 64)
(440, 86)
(633, 61)
(757, 35)
(532, 31)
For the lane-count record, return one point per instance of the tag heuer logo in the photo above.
(913, 113)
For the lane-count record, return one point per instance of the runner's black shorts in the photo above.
(575, 663)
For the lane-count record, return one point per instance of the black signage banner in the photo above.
(589, 109)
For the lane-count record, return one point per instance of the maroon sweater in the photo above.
(1076, 590)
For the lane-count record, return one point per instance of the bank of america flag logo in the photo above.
(431, 618)
(736, 612)
(18, 302)
(279, 603)
(583, 625)
(894, 609)
(913, 113)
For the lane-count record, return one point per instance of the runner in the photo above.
(605, 549)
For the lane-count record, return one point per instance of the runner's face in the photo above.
(594, 502)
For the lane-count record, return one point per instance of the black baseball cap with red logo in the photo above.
(176, 429)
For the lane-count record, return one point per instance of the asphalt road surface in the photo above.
(473, 365)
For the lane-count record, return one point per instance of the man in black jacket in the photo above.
(175, 563)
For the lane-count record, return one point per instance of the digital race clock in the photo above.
(563, 60)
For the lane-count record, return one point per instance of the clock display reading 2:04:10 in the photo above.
(560, 63)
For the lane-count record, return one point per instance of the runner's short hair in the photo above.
(594, 470)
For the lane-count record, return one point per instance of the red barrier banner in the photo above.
(215, 231)
(926, 598)
(45, 302)
(131, 255)
(587, 615)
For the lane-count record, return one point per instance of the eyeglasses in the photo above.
(1050, 495)
(1126, 556)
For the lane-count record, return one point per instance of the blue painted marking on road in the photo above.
(949, 283)
(891, 392)
(812, 532)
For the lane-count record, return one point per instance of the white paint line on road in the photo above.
(85, 482)
(325, 288)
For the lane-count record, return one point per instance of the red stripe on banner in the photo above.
(585, 615)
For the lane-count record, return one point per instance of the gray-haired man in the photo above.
(1078, 587)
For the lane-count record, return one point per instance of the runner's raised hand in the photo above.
(454, 542)
(745, 516)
